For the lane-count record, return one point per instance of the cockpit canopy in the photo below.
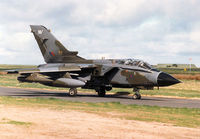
(135, 62)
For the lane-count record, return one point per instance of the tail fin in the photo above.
(52, 50)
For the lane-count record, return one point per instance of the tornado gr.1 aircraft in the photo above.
(66, 69)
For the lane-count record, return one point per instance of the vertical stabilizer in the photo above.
(52, 50)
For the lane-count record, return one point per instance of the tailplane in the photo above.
(52, 50)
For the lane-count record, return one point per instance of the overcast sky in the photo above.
(156, 31)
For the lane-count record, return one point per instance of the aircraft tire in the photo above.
(101, 92)
(137, 96)
(72, 92)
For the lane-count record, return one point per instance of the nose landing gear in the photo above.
(72, 92)
(137, 95)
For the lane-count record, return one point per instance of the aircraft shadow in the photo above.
(30, 93)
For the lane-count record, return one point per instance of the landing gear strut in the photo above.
(72, 92)
(101, 91)
(137, 94)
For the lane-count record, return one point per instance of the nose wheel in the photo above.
(72, 92)
(137, 95)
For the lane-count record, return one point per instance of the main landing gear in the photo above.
(72, 92)
(101, 91)
(137, 95)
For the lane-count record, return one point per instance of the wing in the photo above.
(51, 68)
(51, 74)
(43, 70)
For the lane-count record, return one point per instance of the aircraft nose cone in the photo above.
(165, 79)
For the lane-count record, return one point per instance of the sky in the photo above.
(156, 31)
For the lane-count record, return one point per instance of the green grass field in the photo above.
(175, 116)
(7, 67)
(188, 89)
(13, 122)
(180, 71)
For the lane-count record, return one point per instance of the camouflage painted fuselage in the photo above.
(65, 68)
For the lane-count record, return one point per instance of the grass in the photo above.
(13, 122)
(175, 116)
(6, 67)
(180, 71)
(187, 76)
(188, 89)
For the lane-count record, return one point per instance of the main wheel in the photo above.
(72, 92)
(136, 96)
(101, 92)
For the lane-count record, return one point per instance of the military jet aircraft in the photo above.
(66, 69)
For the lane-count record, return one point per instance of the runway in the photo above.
(88, 97)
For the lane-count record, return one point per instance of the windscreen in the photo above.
(134, 62)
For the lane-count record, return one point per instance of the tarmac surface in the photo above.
(92, 97)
